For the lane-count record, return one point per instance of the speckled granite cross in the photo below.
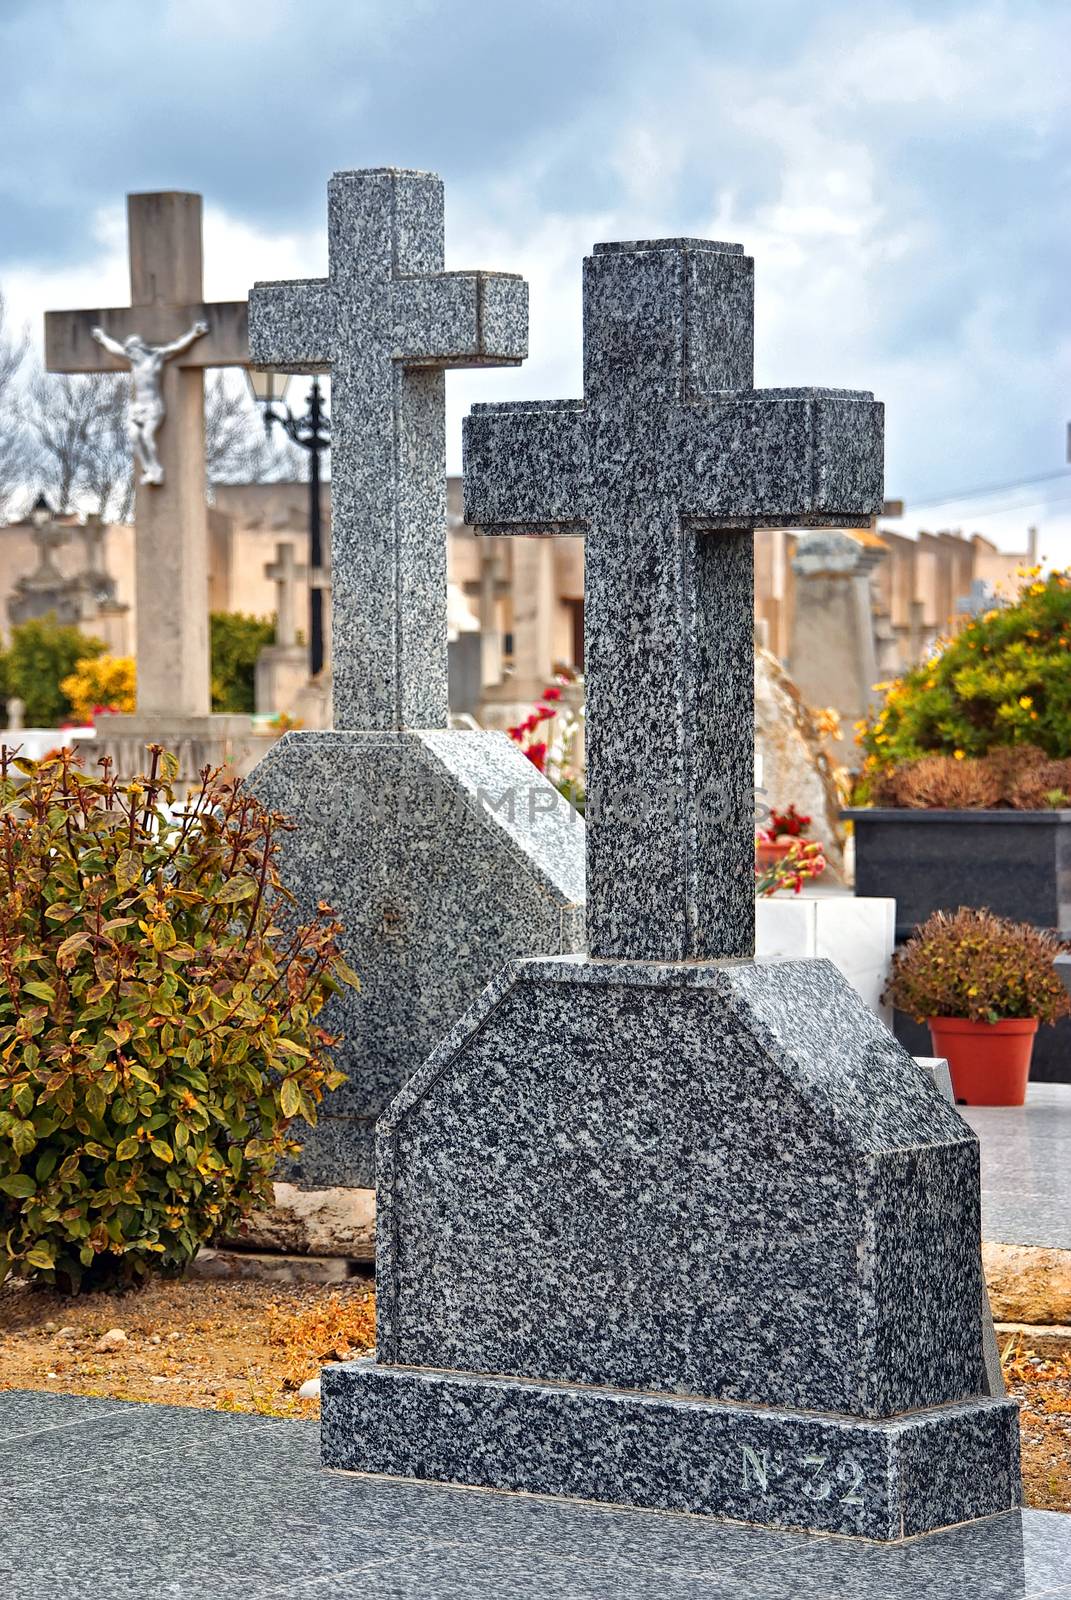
(396, 813)
(386, 322)
(668, 464)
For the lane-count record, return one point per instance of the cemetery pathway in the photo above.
(1026, 1167)
(105, 1499)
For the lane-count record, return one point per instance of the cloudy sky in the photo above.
(899, 171)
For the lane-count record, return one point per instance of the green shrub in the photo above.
(973, 964)
(42, 654)
(158, 1005)
(1004, 679)
(236, 642)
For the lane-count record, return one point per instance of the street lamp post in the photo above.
(312, 433)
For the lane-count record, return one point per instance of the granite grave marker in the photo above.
(444, 852)
(664, 1225)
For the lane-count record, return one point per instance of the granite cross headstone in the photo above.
(658, 1227)
(386, 323)
(434, 887)
(667, 465)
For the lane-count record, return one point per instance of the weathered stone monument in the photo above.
(663, 1225)
(45, 591)
(85, 599)
(443, 852)
(167, 336)
(832, 654)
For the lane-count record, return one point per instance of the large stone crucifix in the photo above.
(668, 464)
(167, 336)
(386, 323)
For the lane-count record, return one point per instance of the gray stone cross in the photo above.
(668, 464)
(285, 573)
(385, 323)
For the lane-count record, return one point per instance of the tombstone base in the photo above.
(884, 1480)
(198, 742)
(444, 853)
(693, 1237)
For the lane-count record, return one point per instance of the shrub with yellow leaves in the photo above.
(1003, 679)
(973, 964)
(106, 683)
(158, 1017)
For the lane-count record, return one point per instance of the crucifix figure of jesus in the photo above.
(147, 408)
(168, 336)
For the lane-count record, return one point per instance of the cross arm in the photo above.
(782, 458)
(526, 467)
(71, 347)
(460, 319)
(292, 325)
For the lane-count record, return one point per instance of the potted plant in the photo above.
(967, 769)
(983, 984)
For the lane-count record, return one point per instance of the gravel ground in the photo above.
(248, 1346)
(223, 1346)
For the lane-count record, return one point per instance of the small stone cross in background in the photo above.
(285, 573)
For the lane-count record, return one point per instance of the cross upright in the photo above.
(386, 322)
(171, 519)
(668, 464)
(285, 573)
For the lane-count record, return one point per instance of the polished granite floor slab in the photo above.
(1026, 1167)
(102, 1500)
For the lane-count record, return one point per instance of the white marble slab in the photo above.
(857, 935)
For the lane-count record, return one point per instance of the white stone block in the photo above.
(857, 935)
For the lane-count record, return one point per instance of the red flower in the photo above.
(552, 693)
(537, 755)
(790, 823)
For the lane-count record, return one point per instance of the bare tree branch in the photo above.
(108, 475)
(13, 444)
(66, 434)
(236, 447)
(77, 423)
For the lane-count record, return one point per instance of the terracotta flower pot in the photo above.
(769, 851)
(989, 1061)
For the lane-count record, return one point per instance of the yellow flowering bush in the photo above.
(1003, 679)
(105, 683)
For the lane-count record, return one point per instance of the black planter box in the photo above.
(1016, 863)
